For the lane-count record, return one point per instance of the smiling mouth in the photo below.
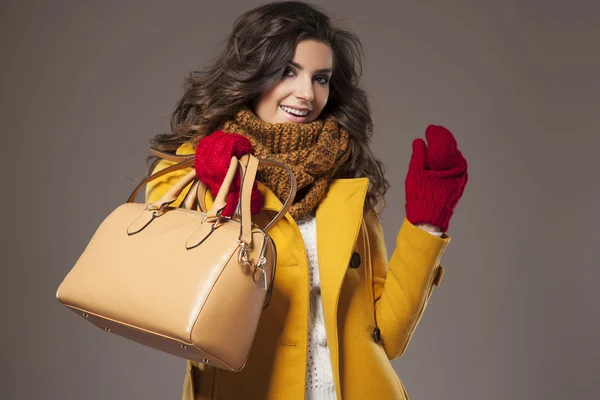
(295, 112)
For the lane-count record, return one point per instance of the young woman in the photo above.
(286, 88)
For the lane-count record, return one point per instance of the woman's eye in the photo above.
(323, 80)
(288, 72)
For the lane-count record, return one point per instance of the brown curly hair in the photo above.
(256, 54)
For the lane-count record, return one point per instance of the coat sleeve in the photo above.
(158, 187)
(403, 284)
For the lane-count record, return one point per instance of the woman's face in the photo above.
(302, 92)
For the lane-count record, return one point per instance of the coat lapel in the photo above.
(339, 217)
(338, 220)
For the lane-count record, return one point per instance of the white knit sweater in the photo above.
(319, 376)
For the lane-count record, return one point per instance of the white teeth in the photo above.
(295, 112)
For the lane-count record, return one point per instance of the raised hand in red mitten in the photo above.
(212, 159)
(436, 178)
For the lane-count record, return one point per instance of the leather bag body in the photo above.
(188, 282)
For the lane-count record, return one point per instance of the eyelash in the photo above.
(324, 81)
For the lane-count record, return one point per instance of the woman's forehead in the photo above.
(313, 55)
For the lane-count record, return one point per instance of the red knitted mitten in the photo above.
(213, 156)
(436, 178)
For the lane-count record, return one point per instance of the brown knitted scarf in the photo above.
(313, 152)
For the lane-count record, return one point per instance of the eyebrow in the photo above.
(300, 67)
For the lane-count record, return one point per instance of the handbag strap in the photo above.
(175, 167)
(246, 188)
(182, 161)
(249, 174)
(186, 161)
(189, 201)
(171, 156)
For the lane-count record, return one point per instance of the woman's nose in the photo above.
(305, 90)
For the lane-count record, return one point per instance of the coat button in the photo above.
(376, 335)
(355, 260)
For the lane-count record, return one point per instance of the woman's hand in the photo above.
(213, 156)
(436, 179)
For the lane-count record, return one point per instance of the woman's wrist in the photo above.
(429, 227)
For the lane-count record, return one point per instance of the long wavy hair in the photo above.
(254, 59)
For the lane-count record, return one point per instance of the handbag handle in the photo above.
(200, 191)
(248, 175)
(190, 200)
(186, 161)
(220, 202)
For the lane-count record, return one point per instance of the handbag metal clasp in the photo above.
(259, 266)
(157, 212)
(243, 256)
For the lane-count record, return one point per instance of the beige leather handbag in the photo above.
(188, 282)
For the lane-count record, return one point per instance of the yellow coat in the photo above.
(358, 300)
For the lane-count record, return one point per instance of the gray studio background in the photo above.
(85, 84)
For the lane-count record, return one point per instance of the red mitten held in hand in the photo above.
(212, 159)
(436, 178)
